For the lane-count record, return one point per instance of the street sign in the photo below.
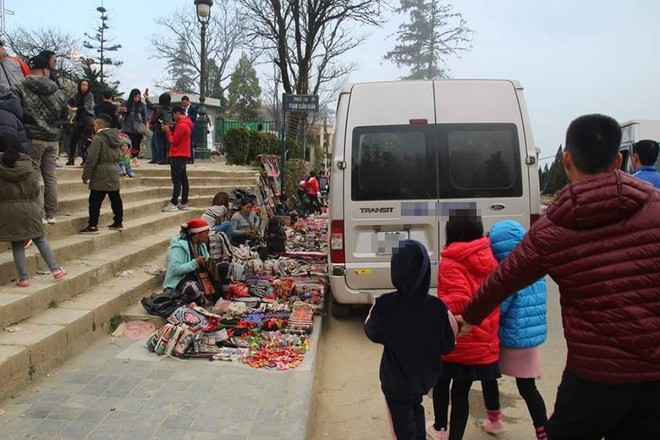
(301, 103)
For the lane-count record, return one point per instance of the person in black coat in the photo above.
(416, 329)
(11, 114)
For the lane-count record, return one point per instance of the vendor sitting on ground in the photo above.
(188, 252)
(244, 223)
(218, 214)
(275, 236)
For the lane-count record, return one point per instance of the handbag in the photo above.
(140, 128)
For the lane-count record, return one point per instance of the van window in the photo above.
(394, 163)
(483, 160)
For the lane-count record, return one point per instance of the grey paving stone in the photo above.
(124, 418)
(169, 434)
(64, 413)
(48, 426)
(104, 381)
(78, 430)
(80, 401)
(205, 423)
(177, 422)
(132, 405)
(235, 427)
(91, 417)
(79, 377)
(266, 427)
(160, 374)
(106, 432)
(41, 410)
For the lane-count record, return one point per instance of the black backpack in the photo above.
(164, 303)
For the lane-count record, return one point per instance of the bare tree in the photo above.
(224, 35)
(307, 40)
(28, 43)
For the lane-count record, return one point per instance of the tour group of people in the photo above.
(600, 242)
(106, 135)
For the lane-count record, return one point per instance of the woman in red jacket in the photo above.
(466, 261)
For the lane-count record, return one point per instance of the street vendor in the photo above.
(188, 252)
(245, 223)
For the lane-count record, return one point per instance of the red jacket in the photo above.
(462, 269)
(312, 186)
(600, 241)
(180, 139)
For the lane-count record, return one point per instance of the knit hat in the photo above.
(197, 225)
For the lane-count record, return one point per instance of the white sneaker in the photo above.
(170, 208)
(182, 207)
(44, 221)
(50, 220)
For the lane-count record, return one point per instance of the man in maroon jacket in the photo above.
(600, 242)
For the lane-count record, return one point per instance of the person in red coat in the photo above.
(600, 242)
(179, 155)
(466, 261)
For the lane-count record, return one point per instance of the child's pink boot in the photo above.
(494, 424)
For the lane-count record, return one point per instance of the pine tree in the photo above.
(432, 34)
(557, 177)
(182, 74)
(101, 43)
(244, 91)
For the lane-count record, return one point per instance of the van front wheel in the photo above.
(340, 311)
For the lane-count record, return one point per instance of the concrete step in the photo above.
(77, 246)
(72, 173)
(136, 312)
(79, 202)
(49, 338)
(74, 186)
(161, 181)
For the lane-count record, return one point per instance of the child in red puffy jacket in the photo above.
(466, 261)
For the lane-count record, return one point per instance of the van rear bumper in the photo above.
(345, 295)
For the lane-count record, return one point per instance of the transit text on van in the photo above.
(375, 210)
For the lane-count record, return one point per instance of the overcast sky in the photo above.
(572, 57)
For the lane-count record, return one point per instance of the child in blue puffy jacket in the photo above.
(523, 328)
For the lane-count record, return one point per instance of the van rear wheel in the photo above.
(340, 311)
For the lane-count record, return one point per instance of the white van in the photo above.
(408, 152)
(633, 131)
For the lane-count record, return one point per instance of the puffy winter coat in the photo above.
(600, 241)
(102, 158)
(414, 327)
(10, 71)
(462, 269)
(523, 315)
(180, 139)
(11, 114)
(180, 262)
(20, 209)
(44, 107)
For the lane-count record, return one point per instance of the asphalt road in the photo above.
(349, 405)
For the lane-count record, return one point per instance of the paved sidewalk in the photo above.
(117, 390)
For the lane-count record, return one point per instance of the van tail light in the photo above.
(533, 218)
(337, 254)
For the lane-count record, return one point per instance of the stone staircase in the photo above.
(43, 325)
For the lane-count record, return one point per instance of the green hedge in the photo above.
(237, 145)
(243, 145)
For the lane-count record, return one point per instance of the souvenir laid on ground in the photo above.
(264, 314)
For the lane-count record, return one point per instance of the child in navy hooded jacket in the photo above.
(416, 329)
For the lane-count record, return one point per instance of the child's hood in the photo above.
(411, 269)
(475, 255)
(504, 237)
(111, 137)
